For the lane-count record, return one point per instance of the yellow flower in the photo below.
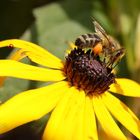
(74, 99)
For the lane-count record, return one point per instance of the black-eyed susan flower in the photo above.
(80, 92)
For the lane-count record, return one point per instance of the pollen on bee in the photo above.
(97, 49)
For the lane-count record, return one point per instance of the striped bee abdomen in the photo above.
(87, 40)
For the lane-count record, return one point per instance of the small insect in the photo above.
(101, 43)
(11, 46)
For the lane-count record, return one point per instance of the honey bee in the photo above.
(101, 43)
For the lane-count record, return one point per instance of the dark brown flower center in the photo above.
(87, 72)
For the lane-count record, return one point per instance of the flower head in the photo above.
(87, 72)
(80, 92)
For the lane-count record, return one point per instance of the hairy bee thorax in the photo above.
(88, 72)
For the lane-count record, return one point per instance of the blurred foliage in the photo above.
(52, 24)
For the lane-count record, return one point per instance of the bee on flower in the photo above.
(81, 90)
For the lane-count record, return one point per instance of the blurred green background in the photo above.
(52, 23)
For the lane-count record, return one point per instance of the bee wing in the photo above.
(100, 31)
(98, 28)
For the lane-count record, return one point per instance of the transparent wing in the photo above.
(98, 28)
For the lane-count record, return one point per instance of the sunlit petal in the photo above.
(17, 69)
(79, 129)
(108, 124)
(72, 46)
(122, 113)
(18, 55)
(66, 122)
(30, 105)
(42, 60)
(36, 51)
(57, 115)
(125, 87)
(90, 122)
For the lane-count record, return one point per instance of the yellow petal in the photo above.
(71, 45)
(36, 50)
(79, 129)
(90, 122)
(57, 116)
(30, 105)
(18, 55)
(64, 121)
(17, 69)
(122, 113)
(42, 60)
(126, 87)
(108, 124)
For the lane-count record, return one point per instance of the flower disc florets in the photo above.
(87, 72)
